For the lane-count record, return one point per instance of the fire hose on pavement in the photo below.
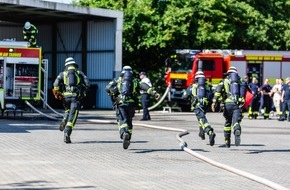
(183, 146)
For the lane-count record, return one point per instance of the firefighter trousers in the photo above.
(201, 117)
(124, 115)
(254, 107)
(145, 105)
(71, 105)
(267, 106)
(233, 116)
(285, 107)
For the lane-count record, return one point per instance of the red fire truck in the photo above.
(182, 66)
(20, 74)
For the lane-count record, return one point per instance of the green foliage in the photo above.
(153, 28)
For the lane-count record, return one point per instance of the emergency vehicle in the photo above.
(183, 64)
(21, 77)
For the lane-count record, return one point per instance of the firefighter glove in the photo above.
(157, 96)
(57, 94)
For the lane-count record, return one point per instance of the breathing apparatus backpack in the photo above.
(72, 80)
(234, 86)
(127, 84)
(201, 91)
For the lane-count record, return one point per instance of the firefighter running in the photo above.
(123, 92)
(70, 86)
(234, 91)
(198, 93)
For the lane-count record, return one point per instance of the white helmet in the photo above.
(69, 61)
(27, 25)
(126, 68)
(199, 74)
(232, 70)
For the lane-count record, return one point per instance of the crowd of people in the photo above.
(270, 100)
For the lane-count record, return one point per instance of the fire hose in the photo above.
(183, 146)
(161, 99)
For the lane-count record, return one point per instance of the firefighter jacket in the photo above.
(222, 92)
(114, 89)
(79, 90)
(147, 82)
(30, 33)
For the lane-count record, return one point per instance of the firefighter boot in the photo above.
(237, 137)
(62, 125)
(201, 133)
(227, 139)
(211, 136)
(126, 139)
(67, 133)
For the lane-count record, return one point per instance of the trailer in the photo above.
(262, 64)
(23, 75)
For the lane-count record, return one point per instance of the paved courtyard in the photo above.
(33, 155)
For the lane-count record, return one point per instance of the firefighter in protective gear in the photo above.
(29, 34)
(253, 111)
(71, 85)
(198, 93)
(145, 97)
(267, 98)
(233, 90)
(123, 92)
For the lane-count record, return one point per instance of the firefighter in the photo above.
(285, 99)
(145, 97)
(233, 89)
(198, 93)
(29, 34)
(267, 99)
(253, 111)
(123, 92)
(70, 86)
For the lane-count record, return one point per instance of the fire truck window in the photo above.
(208, 65)
(183, 62)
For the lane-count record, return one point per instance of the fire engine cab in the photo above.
(20, 74)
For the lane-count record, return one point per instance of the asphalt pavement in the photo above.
(34, 156)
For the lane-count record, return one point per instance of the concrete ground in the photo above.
(34, 156)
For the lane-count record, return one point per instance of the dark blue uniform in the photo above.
(286, 102)
(255, 104)
(267, 100)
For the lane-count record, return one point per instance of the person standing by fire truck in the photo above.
(198, 93)
(267, 99)
(253, 111)
(29, 33)
(70, 86)
(234, 90)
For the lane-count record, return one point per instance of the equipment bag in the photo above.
(127, 84)
(248, 99)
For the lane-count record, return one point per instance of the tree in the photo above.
(153, 28)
